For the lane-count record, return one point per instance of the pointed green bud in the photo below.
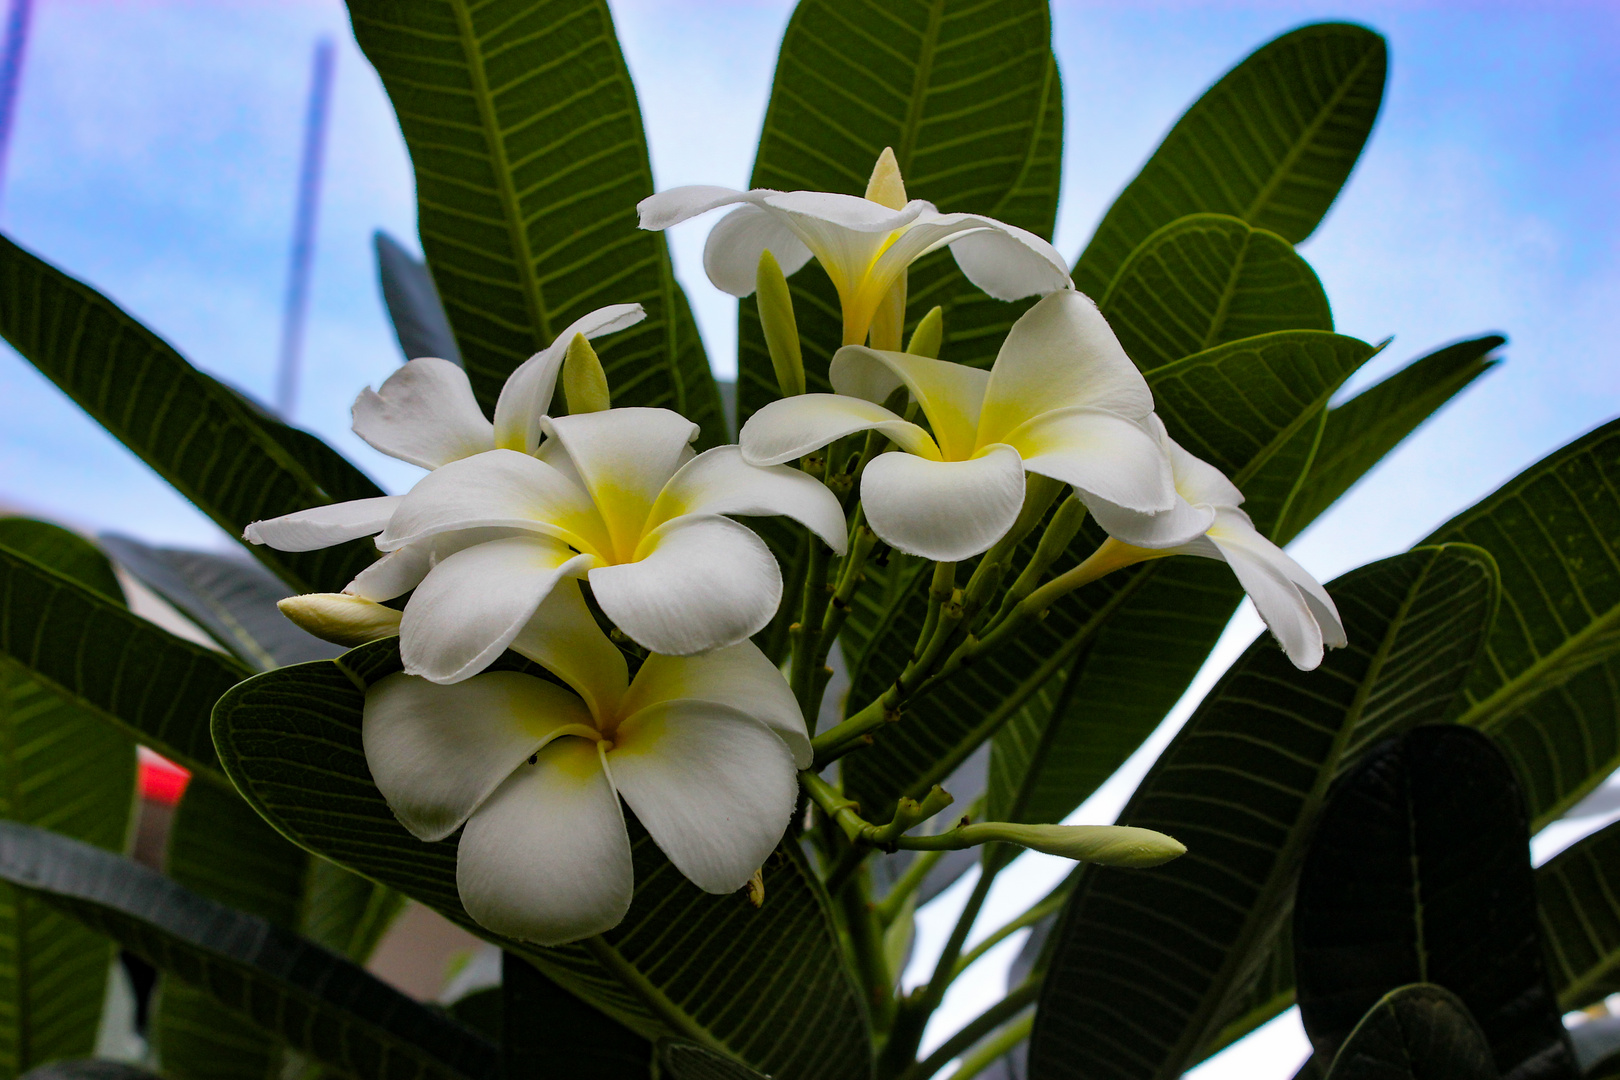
(781, 328)
(585, 384)
(930, 333)
(1110, 845)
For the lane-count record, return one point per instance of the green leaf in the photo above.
(1415, 1032)
(324, 1006)
(155, 686)
(1205, 280)
(218, 449)
(231, 597)
(1578, 894)
(1271, 143)
(413, 303)
(1419, 872)
(88, 1069)
(61, 768)
(526, 139)
(291, 741)
(688, 1061)
(1108, 632)
(1144, 962)
(553, 1033)
(1546, 691)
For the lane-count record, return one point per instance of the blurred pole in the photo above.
(303, 247)
(18, 20)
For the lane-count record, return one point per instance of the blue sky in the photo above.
(156, 151)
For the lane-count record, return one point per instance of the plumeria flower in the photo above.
(1297, 610)
(1062, 400)
(864, 244)
(704, 750)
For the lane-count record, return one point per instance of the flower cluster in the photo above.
(597, 540)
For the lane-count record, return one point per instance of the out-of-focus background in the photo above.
(155, 152)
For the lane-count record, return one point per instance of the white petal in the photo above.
(1060, 354)
(731, 254)
(526, 396)
(1103, 455)
(739, 676)
(1177, 527)
(1197, 480)
(500, 489)
(846, 232)
(564, 639)
(714, 787)
(470, 606)
(323, 526)
(790, 428)
(943, 510)
(950, 395)
(1263, 571)
(719, 481)
(402, 570)
(547, 858)
(424, 413)
(676, 205)
(437, 752)
(1009, 263)
(625, 457)
(702, 582)
(1233, 530)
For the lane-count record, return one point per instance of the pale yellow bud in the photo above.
(780, 327)
(1110, 845)
(585, 384)
(886, 187)
(340, 618)
(929, 335)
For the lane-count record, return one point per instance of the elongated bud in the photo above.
(585, 384)
(930, 333)
(340, 618)
(780, 327)
(1110, 845)
(886, 187)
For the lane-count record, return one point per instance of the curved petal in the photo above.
(950, 395)
(547, 858)
(437, 752)
(323, 526)
(731, 254)
(470, 606)
(1233, 530)
(943, 510)
(702, 582)
(788, 429)
(1177, 527)
(1104, 456)
(1060, 354)
(713, 786)
(424, 413)
(500, 489)
(403, 569)
(676, 205)
(739, 676)
(719, 481)
(1197, 480)
(526, 396)
(846, 232)
(1262, 570)
(625, 457)
(564, 639)
(1009, 263)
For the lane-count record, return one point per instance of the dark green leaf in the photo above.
(553, 1033)
(1578, 893)
(526, 139)
(156, 687)
(1271, 143)
(69, 554)
(1205, 280)
(88, 1069)
(688, 1061)
(237, 464)
(324, 1006)
(1419, 872)
(413, 303)
(1144, 962)
(1416, 1032)
(1547, 691)
(291, 741)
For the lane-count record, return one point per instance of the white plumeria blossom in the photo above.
(704, 750)
(1062, 400)
(863, 245)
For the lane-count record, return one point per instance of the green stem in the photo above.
(976, 1029)
(999, 1044)
(1054, 901)
(866, 943)
(890, 907)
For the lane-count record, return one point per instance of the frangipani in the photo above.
(1062, 400)
(703, 749)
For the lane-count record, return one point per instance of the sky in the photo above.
(156, 151)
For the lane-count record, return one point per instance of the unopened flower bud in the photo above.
(886, 187)
(340, 618)
(781, 328)
(584, 382)
(929, 335)
(1110, 845)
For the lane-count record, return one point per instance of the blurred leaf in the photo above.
(1549, 690)
(688, 1061)
(155, 686)
(526, 139)
(413, 303)
(1143, 962)
(1271, 143)
(324, 1006)
(553, 1033)
(1415, 1032)
(1205, 280)
(231, 597)
(291, 741)
(88, 1069)
(1419, 872)
(62, 768)
(237, 464)
(1578, 893)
